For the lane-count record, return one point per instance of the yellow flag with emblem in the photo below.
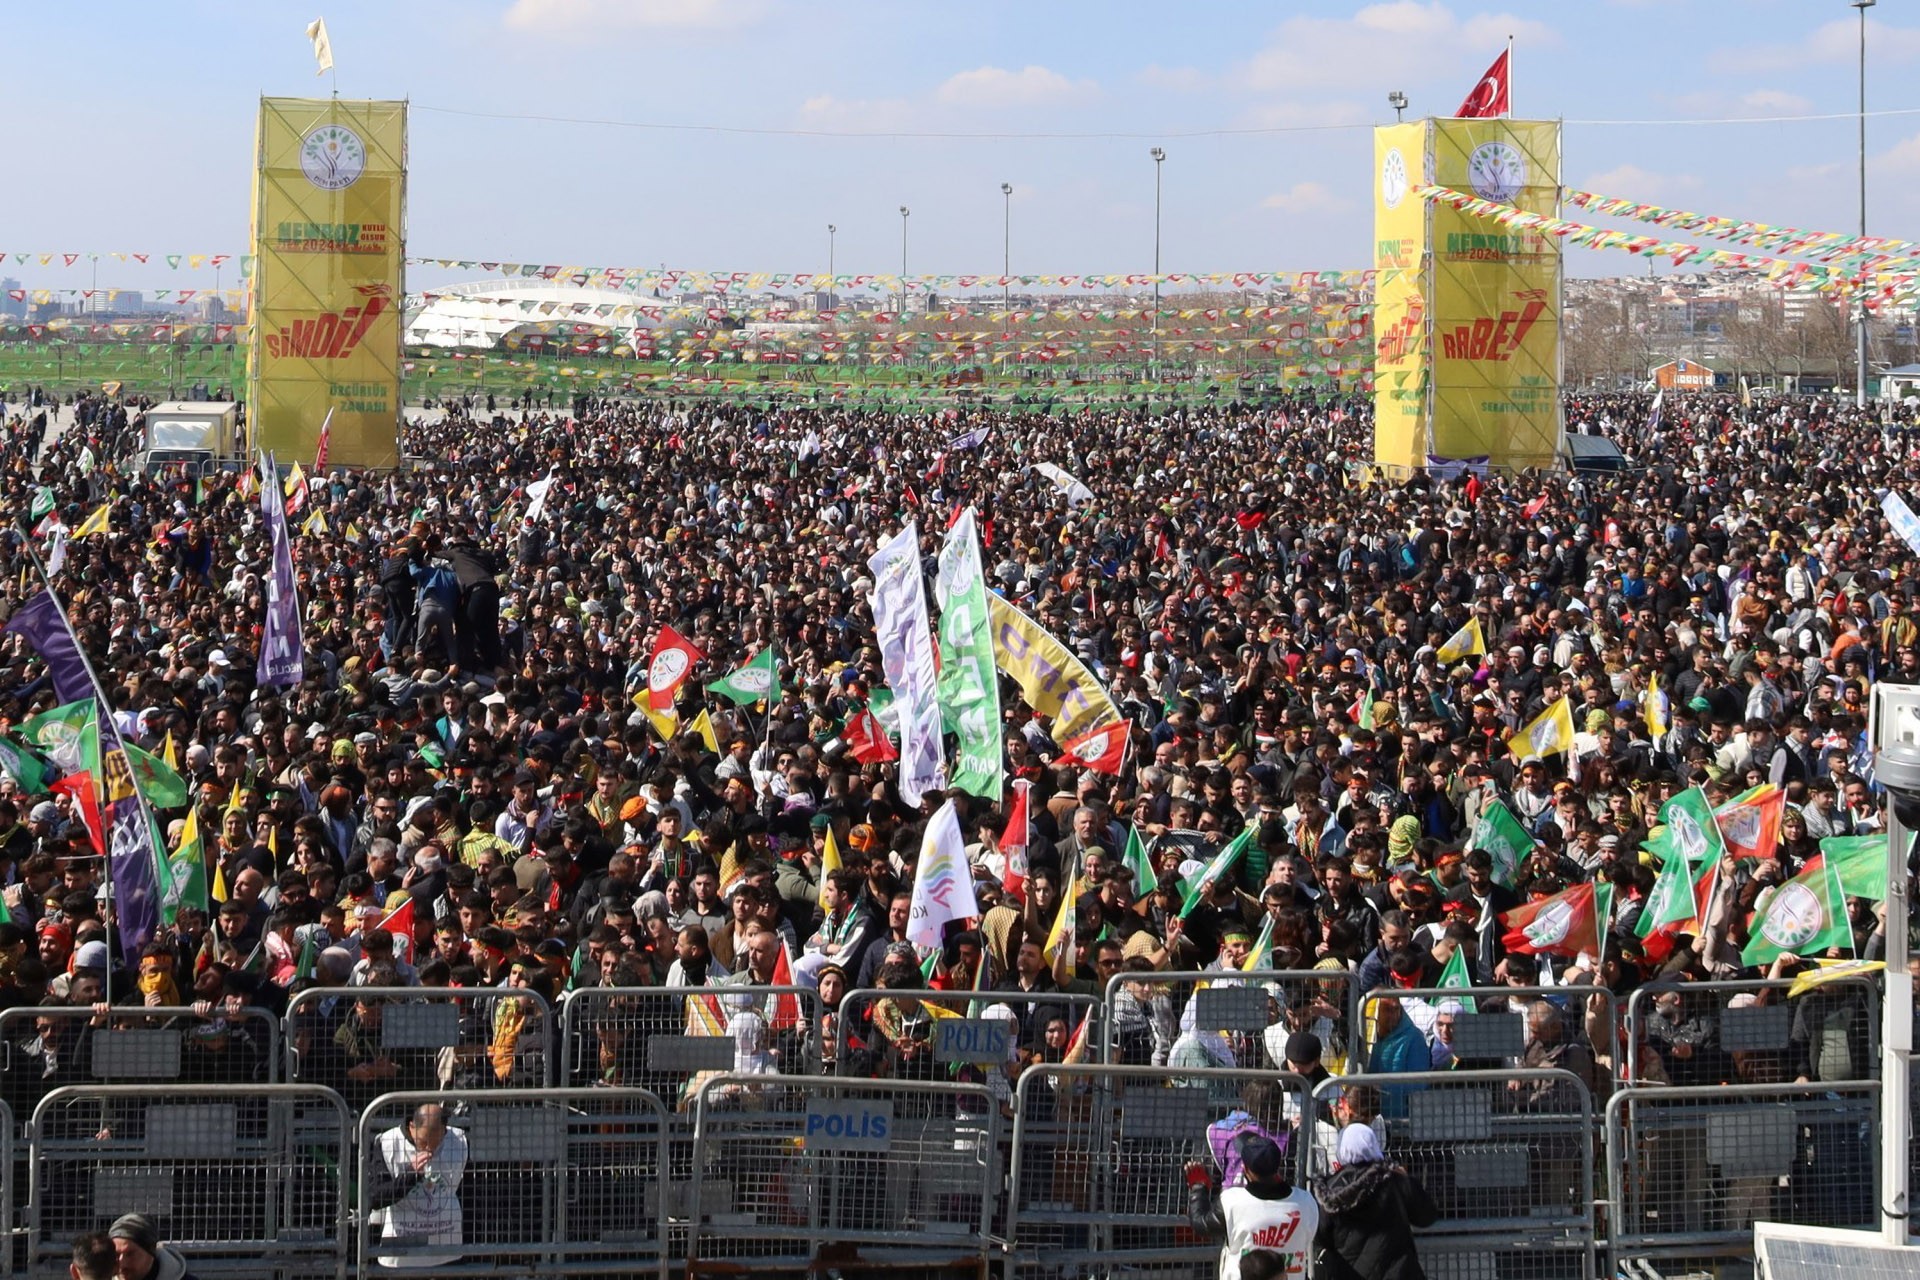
(830, 856)
(1469, 641)
(1547, 734)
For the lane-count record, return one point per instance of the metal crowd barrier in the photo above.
(129, 1044)
(921, 1034)
(1489, 1028)
(660, 1038)
(362, 1042)
(554, 1182)
(248, 1180)
(1692, 1169)
(1098, 1157)
(1700, 1048)
(1507, 1156)
(822, 1173)
(1256, 1012)
(9, 1245)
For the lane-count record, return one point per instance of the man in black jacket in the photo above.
(477, 627)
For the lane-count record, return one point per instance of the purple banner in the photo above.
(45, 628)
(130, 853)
(283, 651)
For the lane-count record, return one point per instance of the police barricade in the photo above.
(982, 1036)
(362, 1042)
(814, 1174)
(1482, 1028)
(660, 1038)
(668, 1040)
(244, 1180)
(1695, 1028)
(43, 1047)
(10, 1261)
(1507, 1157)
(1254, 1013)
(1099, 1153)
(562, 1182)
(1692, 1169)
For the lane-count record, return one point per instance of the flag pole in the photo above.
(1509, 77)
(105, 711)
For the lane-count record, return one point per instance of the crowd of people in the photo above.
(1267, 611)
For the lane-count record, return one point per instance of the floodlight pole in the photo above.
(1894, 712)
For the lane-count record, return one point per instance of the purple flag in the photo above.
(283, 651)
(45, 628)
(130, 852)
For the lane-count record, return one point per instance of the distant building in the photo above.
(10, 305)
(1683, 375)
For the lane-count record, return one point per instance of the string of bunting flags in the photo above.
(1824, 246)
(1876, 288)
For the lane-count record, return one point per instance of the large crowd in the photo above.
(1266, 610)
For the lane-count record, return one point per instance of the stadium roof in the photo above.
(480, 314)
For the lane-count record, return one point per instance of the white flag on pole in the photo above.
(942, 882)
(322, 47)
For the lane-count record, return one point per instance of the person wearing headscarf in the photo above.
(1368, 1210)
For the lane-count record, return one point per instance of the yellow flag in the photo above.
(703, 725)
(219, 877)
(273, 842)
(1656, 706)
(665, 723)
(95, 523)
(830, 856)
(353, 532)
(1467, 642)
(233, 801)
(171, 754)
(1060, 941)
(292, 483)
(1549, 733)
(315, 523)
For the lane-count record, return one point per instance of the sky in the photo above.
(134, 124)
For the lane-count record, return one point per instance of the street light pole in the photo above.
(1006, 247)
(1159, 158)
(830, 232)
(1860, 355)
(904, 212)
(1398, 101)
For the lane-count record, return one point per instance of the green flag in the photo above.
(68, 736)
(968, 689)
(1861, 864)
(1142, 866)
(754, 681)
(1454, 977)
(1222, 863)
(183, 881)
(23, 766)
(158, 780)
(42, 502)
(1690, 830)
(1257, 957)
(1671, 901)
(1805, 916)
(1499, 831)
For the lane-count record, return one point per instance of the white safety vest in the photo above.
(1285, 1226)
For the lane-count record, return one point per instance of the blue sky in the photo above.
(143, 119)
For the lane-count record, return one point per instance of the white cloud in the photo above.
(1836, 41)
(1301, 115)
(875, 115)
(1631, 182)
(1714, 103)
(1030, 86)
(612, 15)
(1400, 40)
(1178, 79)
(1902, 157)
(1304, 197)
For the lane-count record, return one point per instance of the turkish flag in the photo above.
(399, 922)
(1100, 749)
(1013, 843)
(1491, 97)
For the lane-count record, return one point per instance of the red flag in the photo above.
(1534, 507)
(1750, 822)
(80, 787)
(867, 741)
(1014, 841)
(673, 659)
(1563, 925)
(786, 1008)
(1490, 97)
(399, 921)
(1101, 749)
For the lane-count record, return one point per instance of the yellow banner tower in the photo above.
(329, 253)
(1466, 312)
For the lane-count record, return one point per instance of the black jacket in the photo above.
(1367, 1215)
